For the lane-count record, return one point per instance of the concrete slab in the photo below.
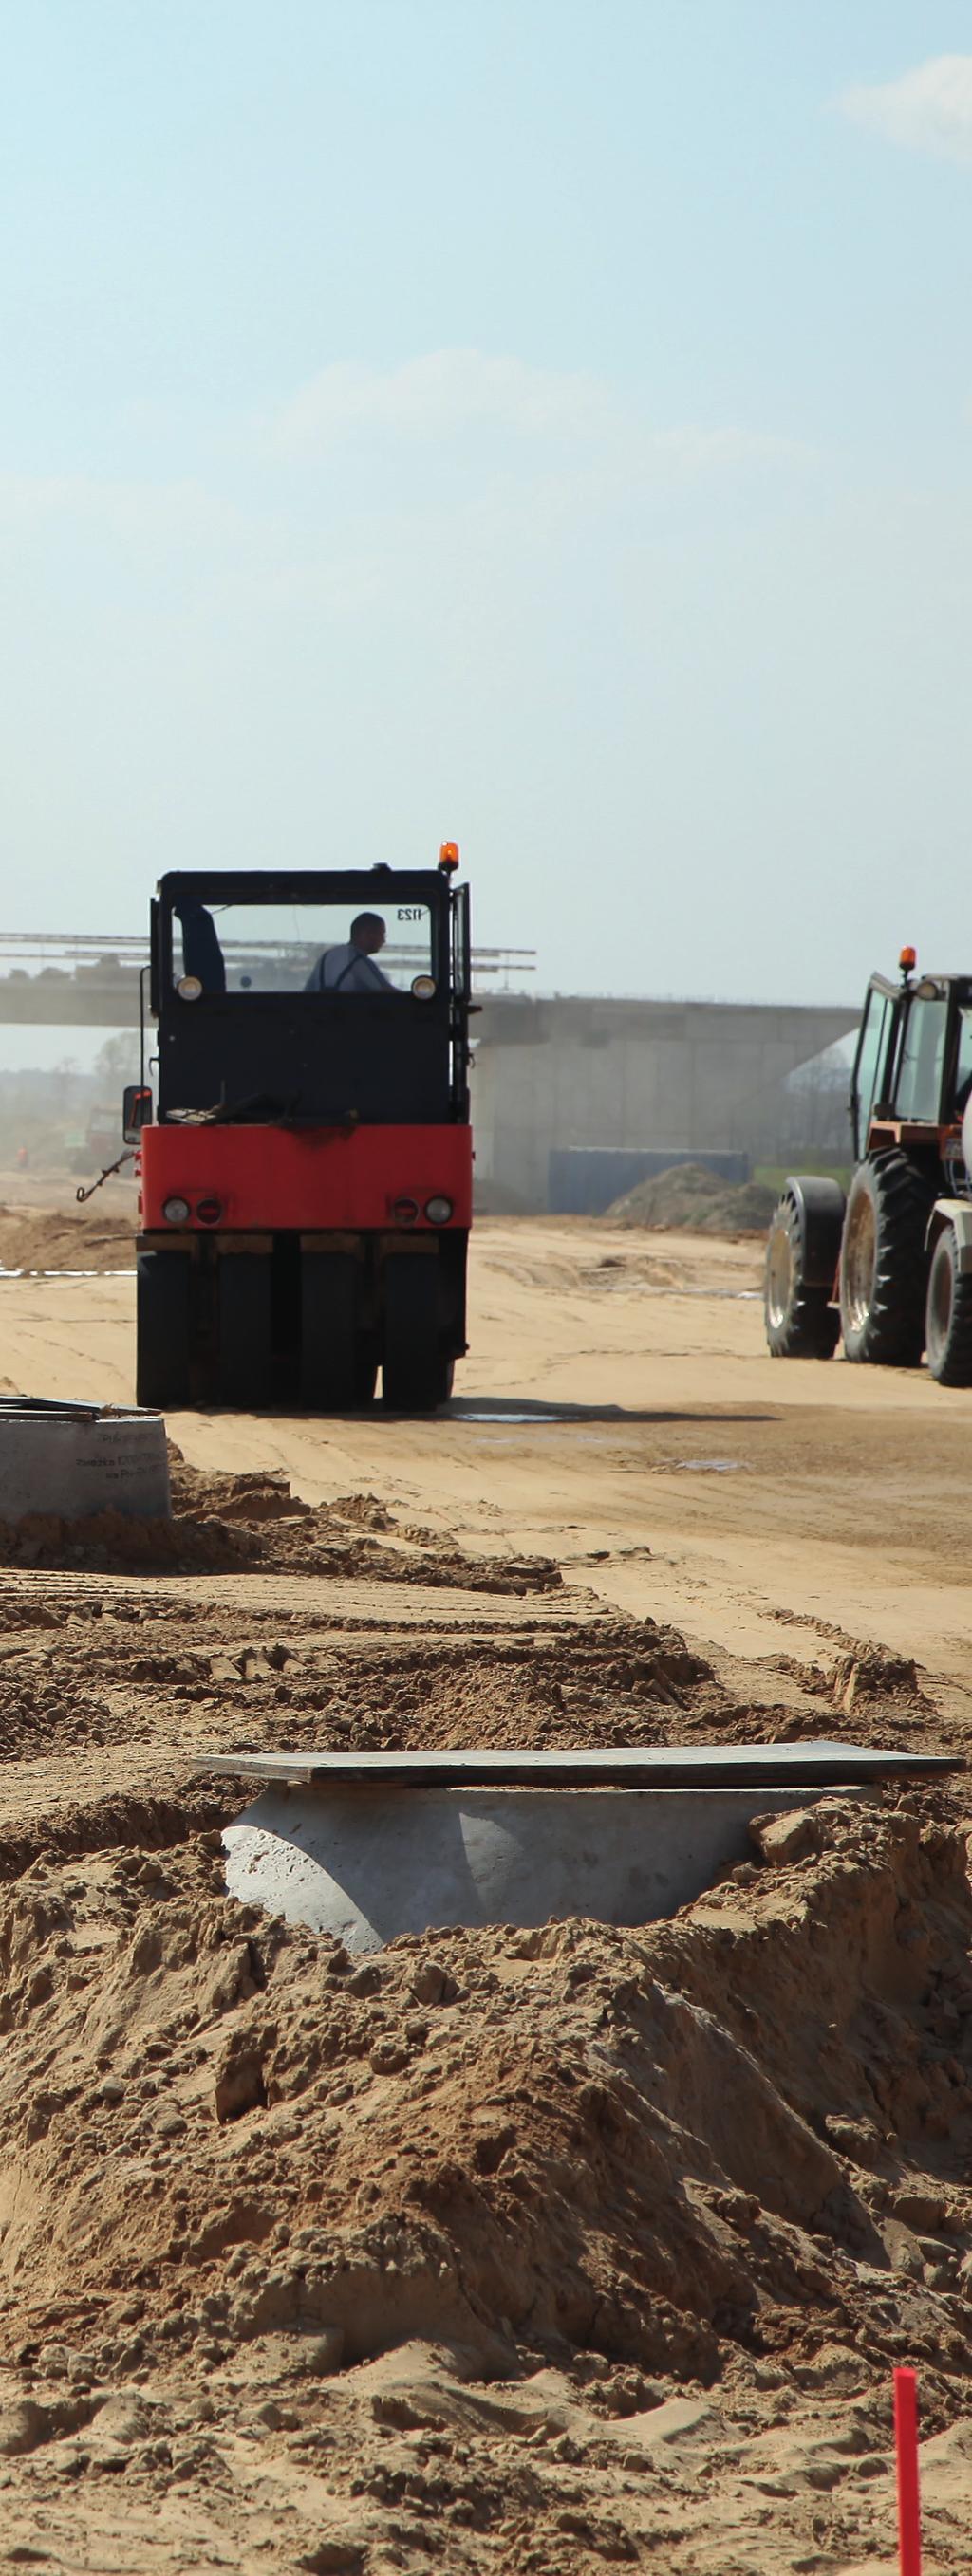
(815, 1763)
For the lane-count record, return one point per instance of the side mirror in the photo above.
(136, 1111)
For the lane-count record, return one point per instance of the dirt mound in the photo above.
(37, 1239)
(127, 1822)
(224, 1524)
(609, 1684)
(519, 2254)
(535, 2251)
(689, 1196)
(867, 1676)
(730, 2152)
(37, 1711)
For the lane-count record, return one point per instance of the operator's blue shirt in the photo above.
(347, 969)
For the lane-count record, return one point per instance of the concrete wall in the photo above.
(603, 1072)
(567, 1071)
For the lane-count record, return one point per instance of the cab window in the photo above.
(963, 1062)
(273, 948)
(919, 1085)
(869, 1065)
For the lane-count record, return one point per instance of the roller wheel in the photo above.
(327, 1337)
(244, 1365)
(801, 1323)
(365, 1370)
(162, 1330)
(415, 1371)
(883, 1264)
(948, 1314)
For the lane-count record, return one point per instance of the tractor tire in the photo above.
(948, 1314)
(244, 1366)
(415, 1371)
(883, 1264)
(801, 1323)
(163, 1337)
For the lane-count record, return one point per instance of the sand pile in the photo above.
(88, 1664)
(224, 1523)
(530, 2252)
(611, 1684)
(728, 2154)
(689, 1196)
(40, 1239)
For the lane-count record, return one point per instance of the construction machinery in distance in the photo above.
(888, 1267)
(305, 1153)
(100, 1142)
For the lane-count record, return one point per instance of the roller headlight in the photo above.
(438, 1211)
(189, 988)
(423, 987)
(175, 1211)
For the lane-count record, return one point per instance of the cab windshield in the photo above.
(963, 1066)
(276, 948)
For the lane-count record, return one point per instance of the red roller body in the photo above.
(304, 1180)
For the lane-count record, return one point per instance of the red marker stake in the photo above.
(906, 2448)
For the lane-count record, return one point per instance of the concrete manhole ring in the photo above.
(74, 1460)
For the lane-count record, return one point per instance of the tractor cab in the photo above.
(913, 1065)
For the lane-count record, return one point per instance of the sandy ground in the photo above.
(618, 1394)
(505, 2252)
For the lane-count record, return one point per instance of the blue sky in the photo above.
(543, 425)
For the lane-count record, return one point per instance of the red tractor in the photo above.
(306, 1166)
(889, 1268)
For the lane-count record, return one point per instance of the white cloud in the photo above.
(928, 109)
(451, 392)
(160, 512)
(700, 449)
(437, 396)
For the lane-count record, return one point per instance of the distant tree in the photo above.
(117, 1062)
(69, 1080)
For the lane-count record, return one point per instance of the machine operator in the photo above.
(351, 967)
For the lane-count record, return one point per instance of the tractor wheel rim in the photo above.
(860, 1263)
(779, 1274)
(941, 1294)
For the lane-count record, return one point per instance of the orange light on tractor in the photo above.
(908, 961)
(449, 855)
